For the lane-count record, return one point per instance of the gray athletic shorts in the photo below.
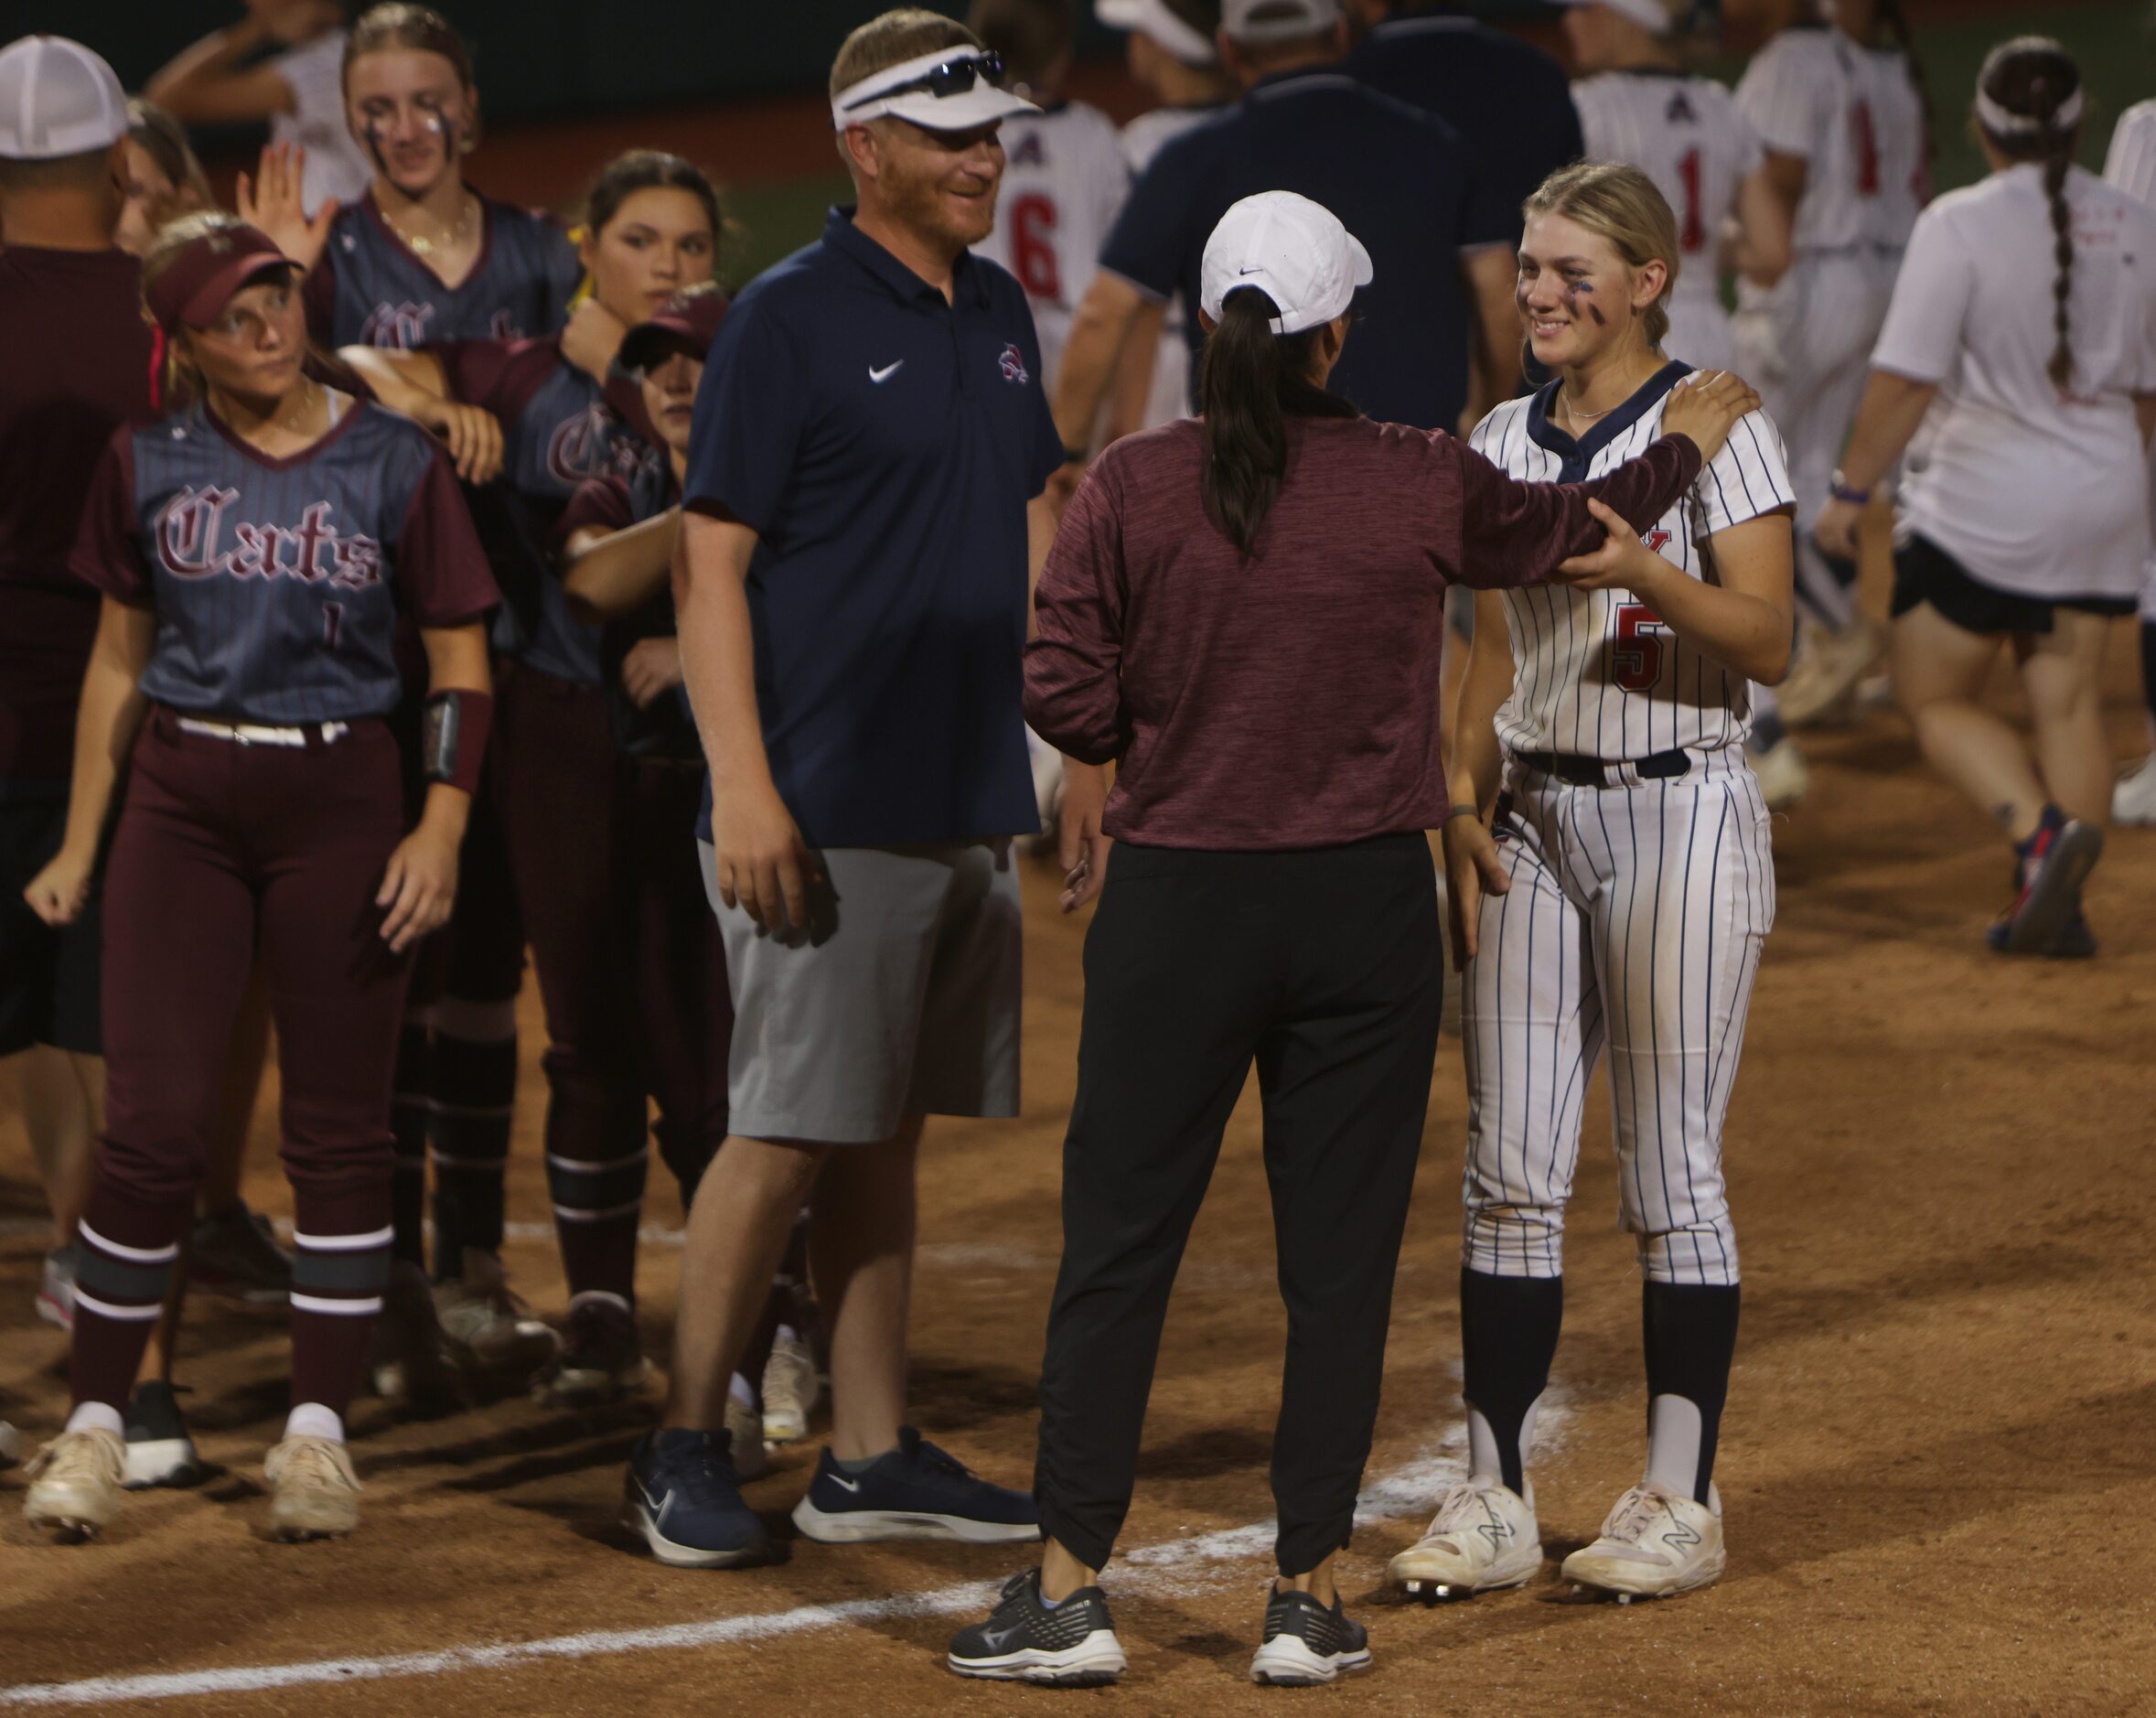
(902, 1000)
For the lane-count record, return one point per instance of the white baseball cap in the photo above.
(1651, 15)
(57, 99)
(1285, 19)
(953, 89)
(1153, 19)
(1295, 251)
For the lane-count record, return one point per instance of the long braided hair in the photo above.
(2021, 91)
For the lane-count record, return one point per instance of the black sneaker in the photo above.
(915, 1491)
(159, 1451)
(235, 1253)
(1071, 1646)
(679, 1493)
(1306, 1644)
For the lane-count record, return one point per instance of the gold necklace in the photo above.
(308, 389)
(459, 229)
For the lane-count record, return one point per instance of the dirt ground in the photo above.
(1937, 1460)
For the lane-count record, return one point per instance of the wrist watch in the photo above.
(1839, 486)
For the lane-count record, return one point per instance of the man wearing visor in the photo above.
(870, 443)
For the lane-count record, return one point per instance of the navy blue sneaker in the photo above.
(680, 1494)
(915, 1491)
(1307, 1645)
(1068, 1645)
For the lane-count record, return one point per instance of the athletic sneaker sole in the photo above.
(678, 1556)
(1287, 1661)
(854, 1526)
(2057, 890)
(1095, 1662)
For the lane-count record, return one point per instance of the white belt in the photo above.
(260, 734)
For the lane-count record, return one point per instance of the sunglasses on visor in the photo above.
(953, 77)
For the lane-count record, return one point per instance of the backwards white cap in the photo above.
(1285, 19)
(926, 90)
(1294, 250)
(1651, 15)
(56, 98)
(1153, 19)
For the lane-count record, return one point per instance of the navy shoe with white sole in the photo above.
(1307, 1645)
(915, 1491)
(682, 1496)
(1071, 1644)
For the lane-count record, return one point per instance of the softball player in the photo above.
(255, 552)
(2031, 293)
(1838, 105)
(164, 180)
(420, 257)
(652, 228)
(1617, 901)
(2131, 166)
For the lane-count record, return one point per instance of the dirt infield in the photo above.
(1935, 1464)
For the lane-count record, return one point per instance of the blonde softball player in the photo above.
(1838, 102)
(2131, 166)
(1615, 903)
(2031, 291)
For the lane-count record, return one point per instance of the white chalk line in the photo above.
(1182, 1564)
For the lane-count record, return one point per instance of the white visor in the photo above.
(1649, 15)
(1152, 19)
(1294, 251)
(885, 92)
(1277, 20)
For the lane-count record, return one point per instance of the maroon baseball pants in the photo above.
(223, 849)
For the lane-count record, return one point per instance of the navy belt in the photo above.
(1592, 772)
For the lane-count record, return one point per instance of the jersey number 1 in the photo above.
(332, 618)
(1637, 654)
(1865, 135)
(1694, 236)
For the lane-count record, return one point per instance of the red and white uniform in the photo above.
(1144, 138)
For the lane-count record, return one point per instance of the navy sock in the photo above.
(1692, 1336)
(1508, 1328)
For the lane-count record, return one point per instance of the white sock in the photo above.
(741, 1392)
(97, 1417)
(786, 1333)
(1673, 1432)
(1484, 1465)
(312, 1420)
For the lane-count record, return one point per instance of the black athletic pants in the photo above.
(1325, 967)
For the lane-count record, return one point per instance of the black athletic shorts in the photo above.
(1924, 573)
(49, 979)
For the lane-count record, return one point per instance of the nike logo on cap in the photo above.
(886, 373)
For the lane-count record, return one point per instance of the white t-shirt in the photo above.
(1595, 674)
(1688, 134)
(1853, 116)
(1144, 138)
(1064, 179)
(336, 166)
(2035, 491)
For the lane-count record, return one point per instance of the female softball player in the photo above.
(1838, 100)
(2131, 166)
(1261, 595)
(255, 551)
(1616, 902)
(2031, 294)
(164, 180)
(618, 534)
(651, 229)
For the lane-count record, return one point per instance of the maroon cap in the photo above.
(688, 322)
(201, 280)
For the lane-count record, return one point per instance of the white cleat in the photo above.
(745, 1422)
(1783, 778)
(791, 1390)
(2133, 801)
(491, 1324)
(315, 1493)
(1655, 1544)
(75, 1483)
(1481, 1539)
(1821, 684)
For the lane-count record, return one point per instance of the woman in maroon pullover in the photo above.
(1245, 612)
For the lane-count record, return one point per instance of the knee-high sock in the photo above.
(2149, 667)
(1508, 1327)
(597, 1207)
(475, 1091)
(342, 1249)
(409, 1105)
(125, 1249)
(1691, 1335)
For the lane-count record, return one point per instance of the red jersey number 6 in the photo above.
(1637, 654)
(1032, 246)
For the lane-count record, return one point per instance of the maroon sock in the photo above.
(126, 1249)
(342, 1249)
(408, 1109)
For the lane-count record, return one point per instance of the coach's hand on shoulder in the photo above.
(1706, 406)
(1473, 869)
(271, 204)
(760, 861)
(1079, 843)
(57, 894)
(473, 436)
(419, 887)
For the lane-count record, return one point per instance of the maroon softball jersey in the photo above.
(278, 583)
(75, 364)
(1290, 699)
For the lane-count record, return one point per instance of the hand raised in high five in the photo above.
(271, 204)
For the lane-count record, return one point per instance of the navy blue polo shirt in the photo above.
(1398, 181)
(1508, 97)
(883, 444)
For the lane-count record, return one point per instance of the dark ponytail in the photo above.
(1253, 380)
(2032, 78)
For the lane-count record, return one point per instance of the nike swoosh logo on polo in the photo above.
(887, 371)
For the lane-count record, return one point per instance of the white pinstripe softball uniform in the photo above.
(1686, 134)
(2131, 166)
(1638, 911)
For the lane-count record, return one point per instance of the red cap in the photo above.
(201, 280)
(688, 322)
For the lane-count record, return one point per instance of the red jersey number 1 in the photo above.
(332, 618)
(1694, 236)
(1865, 135)
(1637, 655)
